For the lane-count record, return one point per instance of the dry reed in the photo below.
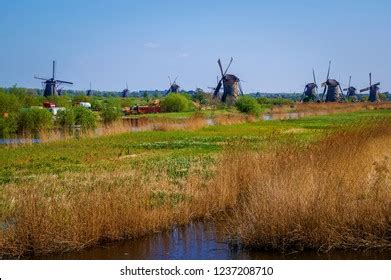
(335, 194)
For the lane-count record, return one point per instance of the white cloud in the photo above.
(151, 45)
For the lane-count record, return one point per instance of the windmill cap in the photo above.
(332, 82)
(231, 78)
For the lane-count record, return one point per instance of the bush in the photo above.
(9, 103)
(275, 101)
(34, 120)
(61, 101)
(175, 102)
(97, 105)
(66, 118)
(85, 118)
(8, 126)
(247, 104)
(110, 114)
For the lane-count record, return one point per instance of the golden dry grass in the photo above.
(51, 214)
(334, 194)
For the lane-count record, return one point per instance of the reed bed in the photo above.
(335, 194)
(47, 214)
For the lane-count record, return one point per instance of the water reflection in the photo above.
(198, 241)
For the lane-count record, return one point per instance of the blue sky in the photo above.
(275, 44)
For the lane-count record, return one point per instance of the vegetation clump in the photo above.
(247, 104)
(175, 102)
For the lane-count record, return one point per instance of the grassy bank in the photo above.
(77, 193)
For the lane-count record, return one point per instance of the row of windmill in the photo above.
(232, 88)
(230, 83)
(333, 92)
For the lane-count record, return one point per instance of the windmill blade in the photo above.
(175, 79)
(350, 81)
(317, 93)
(324, 91)
(39, 78)
(221, 68)
(343, 96)
(217, 90)
(169, 78)
(370, 79)
(313, 74)
(64, 82)
(240, 88)
(377, 84)
(230, 62)
(54, 69)
(365, 89)
(328, 71)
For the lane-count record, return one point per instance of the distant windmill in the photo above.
(311, 90)
(51, 85)
(89, 91)
(332, 88)
(125, 92)
(231, 84)
(174, 87)
(351, 92)
(373, 90)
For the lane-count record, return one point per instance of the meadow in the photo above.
(289, 179)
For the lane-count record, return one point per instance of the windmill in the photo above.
(174, 87)
(51, 85)
(89, 91)
(311, 90)
(373, 90)
(231, 84)
(125, 92)
(332, 89)
(351, 92)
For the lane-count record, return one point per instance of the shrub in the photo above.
(34, 120)
(8, 126)
(9, 103)
(110, 114)
(66, 118)
(275, 101)
(97, 105)
(60, 101)
(175, 102)
(247, 104)
(85, 118)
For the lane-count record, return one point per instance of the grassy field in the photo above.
(76, 193)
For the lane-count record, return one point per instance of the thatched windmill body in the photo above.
(89, 91)
(51, 85)
(351, 91)
(374, 90)
(125, 92)
(174, 87)
(311, 90)
(231, 84)
(332, 89)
